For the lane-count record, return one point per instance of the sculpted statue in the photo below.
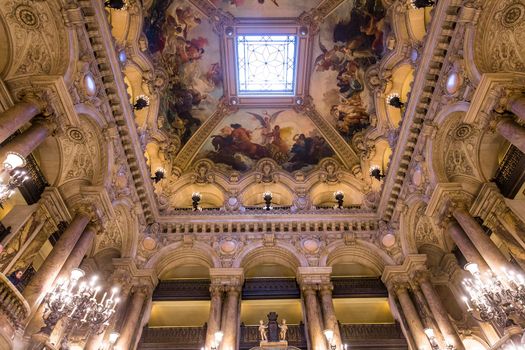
(262, 330)
(284, 329)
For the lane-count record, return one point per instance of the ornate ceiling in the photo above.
(330, 126)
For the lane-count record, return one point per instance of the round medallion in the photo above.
(75, 135)
(388, 240)
(26, 17)
(462, 131)
(228, 246)
(149, 243)
(90, 85)
(453, 83)
(311, 245)
(513, 15)
(232, 201)
(414, 55)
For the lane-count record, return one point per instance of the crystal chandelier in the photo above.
(494, 297)
(10, 176)
(75, 300)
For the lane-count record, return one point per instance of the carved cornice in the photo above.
(402, 273)
(445, 197)
(421, 105)
(228, 277)
(313, 276)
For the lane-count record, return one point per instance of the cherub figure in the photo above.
(284, 329)
(262, 330)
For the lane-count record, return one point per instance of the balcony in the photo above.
(13, 308)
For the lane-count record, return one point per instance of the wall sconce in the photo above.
(141, 102)
(394, 100)
(429, 332)
(375, 172)
(267, 197)
(329, 334)
(116, 4)
(419, 4)
(159, 175)
(196, 198)
(217, 341)
(339, 197)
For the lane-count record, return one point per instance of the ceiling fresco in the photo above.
(266, 8)
(351, 40)
(183, 44)
(287, 137)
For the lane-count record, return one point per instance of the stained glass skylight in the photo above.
(266, 64)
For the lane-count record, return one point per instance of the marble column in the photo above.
(73, 261)
(214, 319)
(516, 105)
(28, 141)
(16, 116)
(465, 245)
(412, 317)
(327, 305)
(513, 132)
(41, 282)
(132, 320)
(313, 318)
(438, 311)
(485, 246)
(230, 320)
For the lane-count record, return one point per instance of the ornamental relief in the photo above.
(502, 33)
(36, 37)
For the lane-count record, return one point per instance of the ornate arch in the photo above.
(281, 253)
(177, 254)
(364, 253)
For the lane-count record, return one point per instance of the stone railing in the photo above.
(12, 303)
(173, 337)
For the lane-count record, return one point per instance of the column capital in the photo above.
(445, 198)
(227, 276)
(314, 275)
(396, 273)
(216, 290)
(326, 288)
(309, 289)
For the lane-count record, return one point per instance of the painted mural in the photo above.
(351, 40)
(288, 137)
(266, 8)
(181, 43)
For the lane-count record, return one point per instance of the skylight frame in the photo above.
(284, 42)
(273, 27)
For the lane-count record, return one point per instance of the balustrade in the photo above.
(14, 309)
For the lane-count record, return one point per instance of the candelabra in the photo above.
(429, 332)
(494, 297)
(196, 198)
(375, 172)
(75, 300)
(339, 197)
(394, 100)
(267, 197)
(10, 176)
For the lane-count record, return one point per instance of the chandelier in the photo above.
(10, 176)
(76, 300)
(494, 297)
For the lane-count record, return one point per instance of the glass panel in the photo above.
(266, 64)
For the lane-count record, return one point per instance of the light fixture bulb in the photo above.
(113, 336)
(14, 160)
(329, 334)
(472, 268)
(77, 274)
(429, 333)
(218, 337)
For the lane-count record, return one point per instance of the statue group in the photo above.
(272, 331)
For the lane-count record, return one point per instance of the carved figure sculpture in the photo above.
(262, 330)
(284, 329)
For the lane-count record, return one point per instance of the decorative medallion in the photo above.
(462, 132)
(512, 15)
(75, 135)
(26, 17)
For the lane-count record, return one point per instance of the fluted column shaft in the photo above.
(517, 106)
(412, 318)
(16, 116)
(439, 312)
(315, 327)
(45, 276)
(28, 141)
(230, 320)
(73, 261)
(330, 320)
(485, 246)
(465, 245)
(513, 132)
(214, 319)
(132, 319)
